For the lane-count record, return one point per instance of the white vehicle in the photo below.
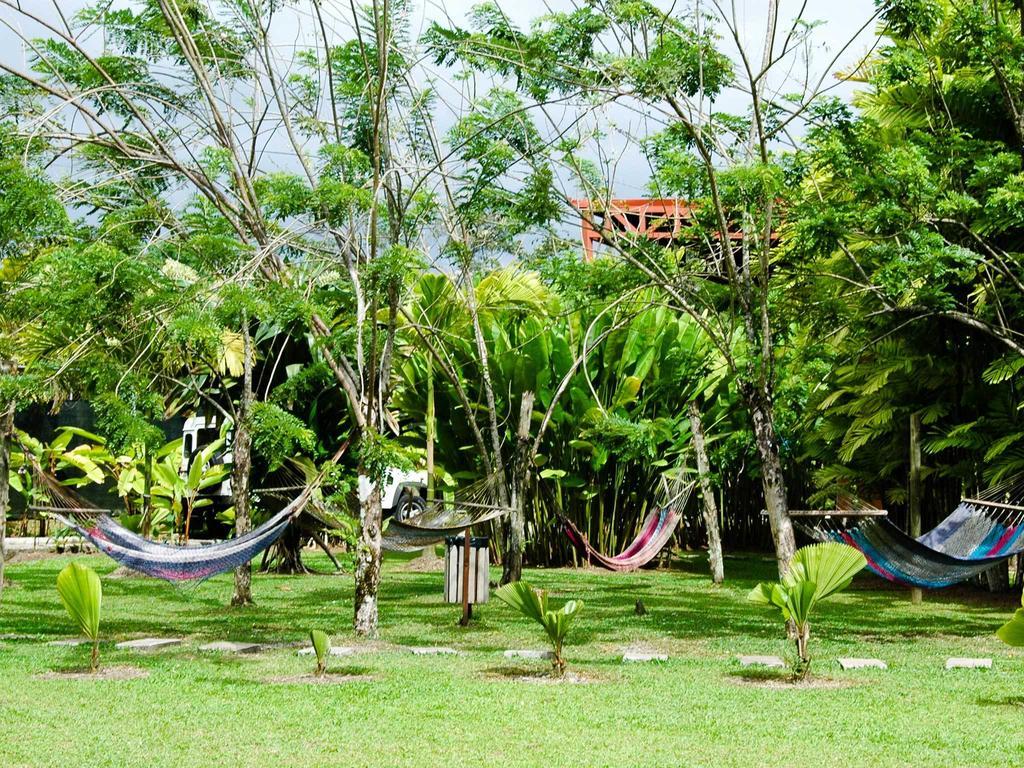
(197, 433)
(402, 497)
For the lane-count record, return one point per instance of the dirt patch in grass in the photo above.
(119, 672)
(539, 676)
(422, 565)
(329, 678)
(784, 681)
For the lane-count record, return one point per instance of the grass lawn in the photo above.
(205, 710)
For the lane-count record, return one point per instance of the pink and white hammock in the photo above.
(656, 531)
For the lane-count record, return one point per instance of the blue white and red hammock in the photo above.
(978, 534)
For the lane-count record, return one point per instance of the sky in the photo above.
(840, 41)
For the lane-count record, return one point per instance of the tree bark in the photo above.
(773, 480)
(241, 469)
(6, 430)
(708, 505)
(286, 557)
(515, 544)
(368, 562)
(914, 494)
(429, 554)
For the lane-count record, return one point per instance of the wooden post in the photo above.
(914, 496)
(467, 609)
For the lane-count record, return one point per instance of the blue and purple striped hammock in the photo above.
(977, 535)
(176, 563)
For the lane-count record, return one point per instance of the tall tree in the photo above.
(671, 66)
(334, 193)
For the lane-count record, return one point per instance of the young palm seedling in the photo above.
(815, 572)
(322, 649)
(80, 591)
(533, 604)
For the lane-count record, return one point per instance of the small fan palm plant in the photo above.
(82, 594)
(815, 573)
(322, 649)
(533, 603)
(1012, 632)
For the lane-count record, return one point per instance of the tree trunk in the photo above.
(429, 557)
(708, 506)
(803, 657)
(241, 468)
(287, 553)
(367, 573)
(515, 544)
(772, 479)
(997, 578)
(914, 491)
(6, 430)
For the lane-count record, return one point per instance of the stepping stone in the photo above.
(71, 642)
(772, 662)
(149, 643)
(226, 646)
(640, 656)
(432, 651)
(968, 663)
(529, 654)
(862, 664)
(335, 651)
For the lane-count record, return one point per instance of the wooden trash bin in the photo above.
(479, 573)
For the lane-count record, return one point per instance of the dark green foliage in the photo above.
(278, 435)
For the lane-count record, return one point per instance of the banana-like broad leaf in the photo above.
(82, 594)
(1012, 632)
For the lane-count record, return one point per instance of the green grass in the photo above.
(203, 710)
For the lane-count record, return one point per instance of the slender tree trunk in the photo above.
(429, 554)
(6, 430)
(515, 544)
(773, 480)
(368, 561)
(241, 468)
(708, 506)
(914, 494)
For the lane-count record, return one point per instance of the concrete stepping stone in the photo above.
(432, 651)
(149, 643)
(643, 656)
(339, 650)
(772, 662)
(529, 654)
(71, 642)
(227, 646)
(862, 664)
(958, 663)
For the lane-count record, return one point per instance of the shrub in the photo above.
(533, 604)
(82, 594)
(815, 572)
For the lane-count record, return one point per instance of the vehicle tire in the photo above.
(410, 504)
